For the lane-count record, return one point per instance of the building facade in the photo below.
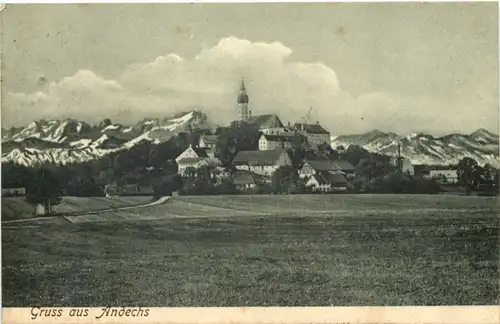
(195, 158)
(273, 142)
(262, 162)
(444, 176)
(315, 133)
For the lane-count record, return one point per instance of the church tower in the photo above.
(243, 113)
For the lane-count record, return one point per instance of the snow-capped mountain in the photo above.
(71, 141)
(481, 145)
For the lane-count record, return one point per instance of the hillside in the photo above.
(70, 141)
(481, 145)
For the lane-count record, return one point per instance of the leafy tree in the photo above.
(239, 136)
(468, 173)
(15, 175)
(44, 189)
(285, 180)
(354, 154)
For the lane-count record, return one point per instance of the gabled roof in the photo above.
(202, 152)
(243, 178)
(344, 165)
(189, 160)
(269, 157)
(335, 178)
(266, 121)
(277, 138)
(311, 128)
(209, 139)
(330, 178)
(328, 165)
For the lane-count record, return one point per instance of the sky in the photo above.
(399, 67)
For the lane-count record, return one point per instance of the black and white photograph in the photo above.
(249, 155)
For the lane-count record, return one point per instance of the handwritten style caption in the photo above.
(40, 312)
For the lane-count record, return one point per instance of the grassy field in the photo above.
(17, 208)
(260, 251)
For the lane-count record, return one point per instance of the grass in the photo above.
(261, 251)
(14, 208)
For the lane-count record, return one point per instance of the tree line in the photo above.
(154, 165)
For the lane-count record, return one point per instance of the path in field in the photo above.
(212, 207)
(74, 218)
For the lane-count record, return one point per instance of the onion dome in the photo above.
(242, 97)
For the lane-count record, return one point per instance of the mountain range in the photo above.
(73, 141)
(420, 148)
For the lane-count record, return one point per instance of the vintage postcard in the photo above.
(250, 162)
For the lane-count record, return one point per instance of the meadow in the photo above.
(304, 250)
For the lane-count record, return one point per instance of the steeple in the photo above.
(243, 102)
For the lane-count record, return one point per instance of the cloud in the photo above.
(210, 81)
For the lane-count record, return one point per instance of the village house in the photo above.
(272, 142)
(268, 124)
(312, 167)
(244, 180)
(315, 133)
(327, 182)
(262, 162)
(207, 141)
(195, 157)
(448, 176)
(13, 192)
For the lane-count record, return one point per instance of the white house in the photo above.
(327, 182)
(312, 167)
(262, 162)
(207, 141)
(195, 158)
(444, 176)
(315, 133)
(244, 180)
(12, 192)
(273, 142)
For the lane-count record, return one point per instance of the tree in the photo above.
(355, 153)
(285, 180)
(15, 175)
(44, 189)
(468, 173)
(239, 136)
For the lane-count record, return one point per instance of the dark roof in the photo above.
(202, 152)
(242, 97)
(334, 178)
(266, 121)
(328, 165)
(189, 160)
(242, 178)
(269, 157)
(277, 138)
(344, 165)
(210, 139)
(311, 128)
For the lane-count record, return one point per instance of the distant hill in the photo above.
(71, 141)
(481, 145)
